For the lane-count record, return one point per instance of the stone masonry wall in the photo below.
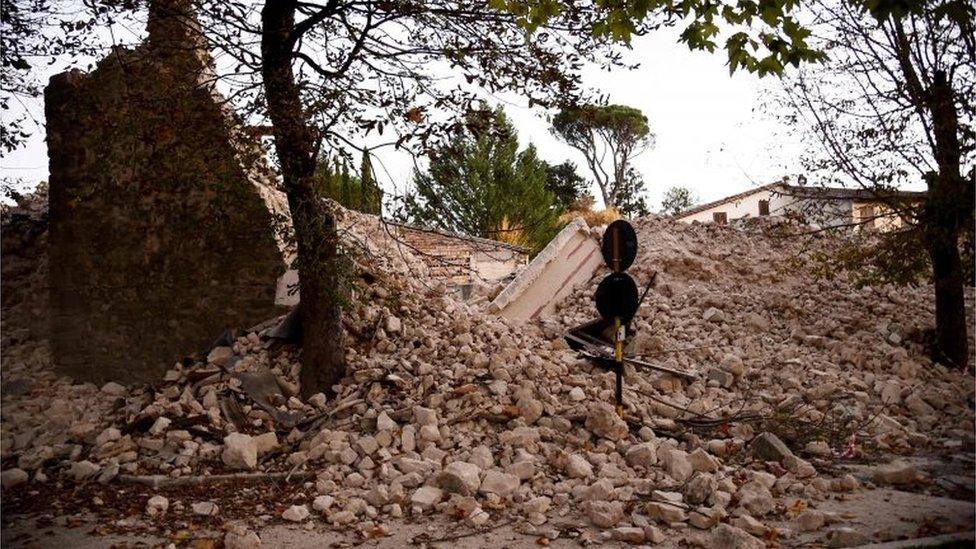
(461, 260)
(162, 222)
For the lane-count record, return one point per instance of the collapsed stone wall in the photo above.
(23, 269)
(162, 219)
(460, 259)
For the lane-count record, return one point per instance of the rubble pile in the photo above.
(451, 411)
(741, 309)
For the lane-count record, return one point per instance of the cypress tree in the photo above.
(346, 197)
(371, 198)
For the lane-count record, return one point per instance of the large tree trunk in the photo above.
(323, 357)
(952, 347)
(949, 206)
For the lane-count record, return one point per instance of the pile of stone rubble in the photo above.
(449, 410)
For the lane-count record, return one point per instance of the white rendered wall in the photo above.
(823, 213)
(570, 259)
(747, 206)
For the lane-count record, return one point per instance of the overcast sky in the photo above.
(711, 134)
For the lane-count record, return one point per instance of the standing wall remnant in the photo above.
(163, 213)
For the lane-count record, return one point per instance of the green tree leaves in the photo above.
(370, 194)
(361, 193)
(677, 200)
(569, 189)
(480, 184)
(763, 35)
(609, 136)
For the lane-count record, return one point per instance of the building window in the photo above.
(763, 207)
(720, 218)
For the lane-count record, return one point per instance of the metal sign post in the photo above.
(616, 296)
(618, 355)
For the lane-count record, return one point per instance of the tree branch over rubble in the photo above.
(366, 66)
(893, 107)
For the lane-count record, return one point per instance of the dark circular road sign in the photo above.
(616, 297)
(619, 246)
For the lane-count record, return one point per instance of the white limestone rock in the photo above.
(768, 447)
(497, 482)
(756, 499)
(578, 467)
(676, 463)
(160, 425)
(703, 462)
(530, 409)
(110, 434)
(482, 457)
(799, 467)
(628, 534)
(240, 452)
(733, 364)
(460, 477)
(265, 442)
(846, 537)
(811, 520)
(539, 504)
(730, 537)
(602, 420)
(392, 325)
(114, 389)
(240, 537)
(424, 416)
(296, 513)
(408, 440)
(642, 455)
(750, 525)
(220, 355)
(426, 497)
(205, 508)
(665, 512)
(385, 423)
(83, 470)
(713, 315)
(896, 473)
(605, 514)
(157, 506)
(13, 477)
(599, 490)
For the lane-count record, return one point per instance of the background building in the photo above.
(818, 206)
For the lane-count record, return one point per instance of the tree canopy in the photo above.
(677, 200)
(480, 184)
(896, 105)
(568, 187)
(761, 37)
(332, 71)
(356, 192)
(36, 33)
(609, 136)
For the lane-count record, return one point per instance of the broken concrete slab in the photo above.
(569, 260)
